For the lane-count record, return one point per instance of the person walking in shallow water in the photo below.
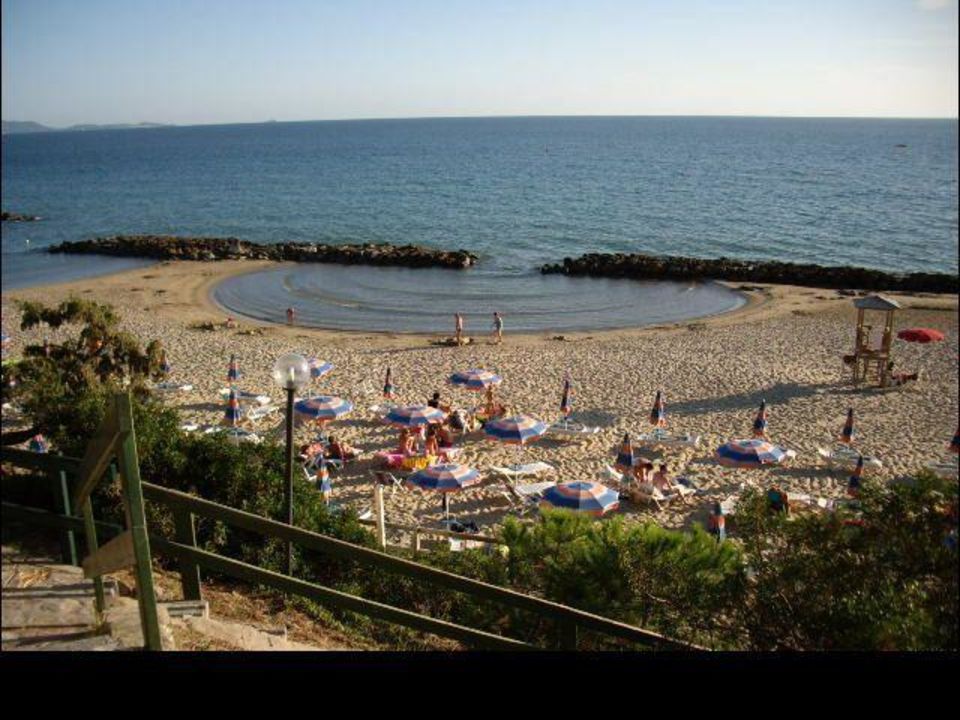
(497, 328)
(291, 315)
(458, 318)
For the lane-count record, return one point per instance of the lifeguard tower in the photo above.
(872, 361)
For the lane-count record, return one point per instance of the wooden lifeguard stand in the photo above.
(867, 361)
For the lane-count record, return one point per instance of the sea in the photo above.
(518, 192)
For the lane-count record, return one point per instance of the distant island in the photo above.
(14, 127)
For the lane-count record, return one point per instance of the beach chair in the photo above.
(659, 436)
(382, 477)
(259, 413)
(571, 430)
(520, 471)
(525, 498)
(173, 387)
(246, 397)
(845, 458)
(946, 470)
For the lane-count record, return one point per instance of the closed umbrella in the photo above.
(234, 412)
(846, 435)
(233, 371)
(625, 458)
(760, 424)
(658, 415)
(589, 498)
(853, 485)
(565, 405)
(388, 386)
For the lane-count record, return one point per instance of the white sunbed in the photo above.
(261, 412)
(244, 396)
(382, 409)
(659, 436)
(518, 471)
(946, 470)
(846, 458)
(565, 428)
(172, 387)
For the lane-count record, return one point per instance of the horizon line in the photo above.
(493, 117)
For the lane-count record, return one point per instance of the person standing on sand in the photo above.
(291, 315)
(458, 326)
(498, 327)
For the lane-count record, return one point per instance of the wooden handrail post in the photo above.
(568, 635)
(133, 502)
(68, 543)
(378, 515)
(186, 534)
(90, 532)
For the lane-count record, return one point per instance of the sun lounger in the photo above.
(516, 472)
(945, 470)
(571, 430)
(382, 408)
(525, 498)
(173, 387)
(382, 477)
(246, 397)
(846, 458)
(661, 437)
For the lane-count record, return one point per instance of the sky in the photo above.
(225, 61)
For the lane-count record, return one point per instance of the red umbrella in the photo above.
(920, 335)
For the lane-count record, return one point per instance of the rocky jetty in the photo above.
(16, 217)
(210, 249)
(651, 267)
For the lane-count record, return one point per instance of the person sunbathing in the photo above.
(444, 437)
(435, 402)
(340, 450)
(664, 484)
(431, 445)
(405, 446)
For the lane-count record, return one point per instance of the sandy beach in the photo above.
(784, 346)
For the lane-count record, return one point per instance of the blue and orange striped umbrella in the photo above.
(516, 430)
(760, 424)
(388, 386)
(38, 444)
(625, 458)
(412, 416)
(475, 379)
(448, 477)
(753, 453)
(319, 368)
(566, 407)
(323, 407)
(955, 445)
(589, 498)
(234, 412)
(658, 415)
(233, 371)
(846, 436)
(853, 484)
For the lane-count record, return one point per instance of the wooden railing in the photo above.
(131, 545)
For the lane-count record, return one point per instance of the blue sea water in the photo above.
(517, 191)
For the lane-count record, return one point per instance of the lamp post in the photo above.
(290, 372)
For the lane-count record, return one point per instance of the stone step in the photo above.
(243, 637)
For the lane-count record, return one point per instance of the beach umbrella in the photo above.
(760, 424)
(414, 416)
(447, 477)
(955, 445)
(38, 444)
(625, 458)
(323, 408)
(846, 435)
(589, 498)
(658, 416)
(475, 379)
(234, 412)
(920, 335)
(319, 368)
(565, 406)
(516, 430)
(853, 485)
(233, 371)
(753, 453)
(388, 386)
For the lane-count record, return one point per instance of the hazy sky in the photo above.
(213, 61)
